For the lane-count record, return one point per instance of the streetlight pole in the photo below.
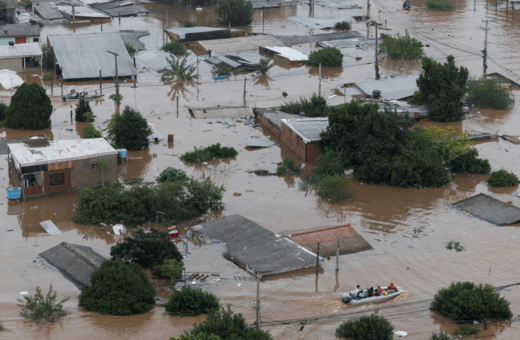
(117, 76)
(376, 24)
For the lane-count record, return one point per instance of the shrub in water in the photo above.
(39, 307)
(330, 163)
(191, 302)
(81, 110)
(174, 46)
(315, 107)
(371, 327)
(200, 336)
(465, 301)
(47, 76)
(441, 336)
(439, 5)
(342, 25)
(170, 269)
(327, 57)
(119, 289)
(172, 175)
(287, 167)
(235, 12)
(208, 154)
(336, 188)
(91, 132)
(447, 144)
(466, 331)
(488, 94)
(469, 163)
(148, 249)
(502, 178)
(228, 326)
(401, 47)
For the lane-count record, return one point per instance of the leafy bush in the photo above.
(47, 76)
(330, 163)
(91, 132)
(130, 48)
(139, 204)
(38, 307)
(401, 47)
(191, 302)
(235, 13)
(488, 94)
(327, 57)
(466, 330)
(119, 289)
(172, 175)
(441, 336)
(465, 302)
(455, 245)
(3, 108)
(135, 180)
(382, 148)
(147, 249)
(89, 117)
(82, 109)
(315, 107)
(175, 47)
(448, 145)
(442, 87)
(439, 5)
(228, 326)
(170, 269)
(371, 327)
(2, 327)
(335, 187)
(209, 153)
(342, 25)
(287, 167)
(469, 163)
(129, 130)
(187, 23)
(30, 108)
(200, 336)
(502, 178)
(263, 66)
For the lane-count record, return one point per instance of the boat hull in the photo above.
(376, 299)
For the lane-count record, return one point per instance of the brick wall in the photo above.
(67, 186)
(313, 151)
(33, 190)
(270, 127)
(293, 141)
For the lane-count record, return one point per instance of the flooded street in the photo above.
(380, 214)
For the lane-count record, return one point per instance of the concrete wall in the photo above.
(14, 64)
(84, 176)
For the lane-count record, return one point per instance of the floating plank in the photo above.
(50, 228)
(489, 209)
(259, 143)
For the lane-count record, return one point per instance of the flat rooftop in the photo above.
(287, 52)
(181, 31)
(239, 44)
(61, 151)
(391, 88)
(308, 129)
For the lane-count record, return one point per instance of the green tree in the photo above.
(448, 145)
(3, 108)
(191, 302)
(82, 109)
(465, 302)
(91, 132)
(468, 162)
(102, 163)
(315, 107)
(327, 57)
(439, 5)
(228, 326)
(401, 47)
(129, 130)
(117, 98)
(147, 249)
(39, 307)
(502, 178)
(235, 12)
(329, 163)
(130, 48)
(172, 175)
(170, 269)
(371, 327)
(181, 70)
(30, 108)
(334, 187)
(214, 151)
(119, 289)
(174, 46)
(489, 94)
(263, 66)
(200, 336)
(442, 87)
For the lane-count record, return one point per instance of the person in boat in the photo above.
(379, 291)
(370, 292)
(385, 292)
(392, 287)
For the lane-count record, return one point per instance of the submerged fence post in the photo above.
(317, 259)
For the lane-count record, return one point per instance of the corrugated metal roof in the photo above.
(391, 88)
(289, 53)
(61, 151)
(347, 43)
(308, 129)
(50, 228)
(20, 50)
(181, 31)
(320, 23)
(239, 44)
(19, 30)
(81, 11)
(132, 37)
(154, 60)
(83, 55)
(48, 10)
(125, 11)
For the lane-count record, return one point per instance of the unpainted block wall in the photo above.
(84, 176)
(313, 151)
(49, 190)
(293, 141)
(265, 123)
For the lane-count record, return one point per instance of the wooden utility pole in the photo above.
(263, 18)
(245, 88)
(484, 52)
(117, 76)
(100, 83)
(337, 253)
(318, 259)
(376, 24)
(73, 15)
(319, 76)
(52, 86)
(258, 277)
(167, 22)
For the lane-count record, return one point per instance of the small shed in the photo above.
(302, 136)
(21, 57)
(284, 54)
(391, 88)
(237, 44)
(197, 33)
(19, 33)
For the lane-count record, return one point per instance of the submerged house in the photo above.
(42, 167)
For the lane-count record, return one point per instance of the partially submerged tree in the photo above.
(401, 47)
(371, 327)
(235, 12)
(191, 302)
(263, 66)
(180, 69)
(40, 307)
(130, 48)
(148, 249)
(82, 109)
(489, 94)
(502, 178)
(442, 87)
(315, 107)
(129, 130)
(327, 57)
(447, 144)
(102, 163)
(119, 289)
(175, 46)
(30, 108)
(91, 132)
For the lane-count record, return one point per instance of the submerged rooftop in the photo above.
(308, 129)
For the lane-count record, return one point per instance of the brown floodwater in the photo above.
(381, 214)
